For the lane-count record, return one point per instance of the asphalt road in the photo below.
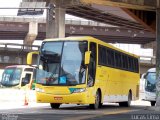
(78, 112)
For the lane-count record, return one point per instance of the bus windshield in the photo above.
(151, 82)
(11, 76)
(62, 63)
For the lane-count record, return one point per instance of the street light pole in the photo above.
(158, 54)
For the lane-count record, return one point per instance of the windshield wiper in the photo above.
(72, 83)
(46, 52)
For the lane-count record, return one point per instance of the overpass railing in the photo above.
(43, 20)
(18, 47)
(86, 22)
(148, 60)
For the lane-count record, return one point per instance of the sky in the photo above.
(9, 3)
(135, 49)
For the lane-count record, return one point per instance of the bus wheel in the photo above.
(127, 103)
(96, 105)
(153, 103)
(55, 105)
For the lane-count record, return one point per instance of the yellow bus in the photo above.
(85, 70)
(18, 76)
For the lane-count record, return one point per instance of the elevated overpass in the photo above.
(134, 29)
(17, 28)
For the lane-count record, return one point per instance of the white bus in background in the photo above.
(148, 86)
(17, 85)
(18, 76)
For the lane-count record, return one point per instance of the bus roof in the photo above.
(89, 38)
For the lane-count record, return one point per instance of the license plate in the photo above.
(58, 98)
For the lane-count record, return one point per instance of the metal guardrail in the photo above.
(86, 22)
(17, 47)
(22, 19)
(148, 60)
(43, 20)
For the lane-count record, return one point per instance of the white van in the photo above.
(148, 86)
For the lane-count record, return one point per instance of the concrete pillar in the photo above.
(158, 53)
(154, 50)
(60, 22)
(32, 33)
(55, 27)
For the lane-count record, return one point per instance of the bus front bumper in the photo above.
(73, 98)
(149, 96)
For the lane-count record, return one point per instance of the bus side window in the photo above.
(26, 79)
(92, 65)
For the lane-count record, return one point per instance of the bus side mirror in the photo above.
(87, 57)
(145, 75)
(29, 57)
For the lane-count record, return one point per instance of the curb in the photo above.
(155, 108)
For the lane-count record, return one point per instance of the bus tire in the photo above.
(55, 105)
(100, 105)
(153, 103)
(97, 103)
(126, 103)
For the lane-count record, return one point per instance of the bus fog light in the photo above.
(39, 90)
(78, 90)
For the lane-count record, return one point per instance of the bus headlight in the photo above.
(39, 90)
(78, 90)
